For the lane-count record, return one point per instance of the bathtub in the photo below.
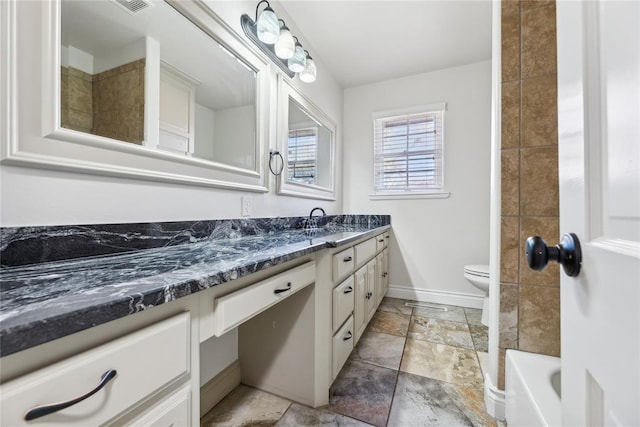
(532, 389)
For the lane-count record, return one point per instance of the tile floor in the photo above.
(411, 367)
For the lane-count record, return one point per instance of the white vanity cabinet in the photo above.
(142, 366)
(357, 274)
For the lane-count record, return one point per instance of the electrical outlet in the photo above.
(245, 209)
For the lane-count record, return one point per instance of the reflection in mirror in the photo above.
(125, 77)
(308, 149)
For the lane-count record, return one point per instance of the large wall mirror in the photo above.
(156, 83)
(306, 138)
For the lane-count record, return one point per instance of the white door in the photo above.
(599, 162)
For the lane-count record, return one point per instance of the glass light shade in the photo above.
(268, 27)
(308, 75)
(285, 46)
(298, 61)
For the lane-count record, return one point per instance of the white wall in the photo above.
(203, 132)
(31, 196)
(433, 238)
(234, 133)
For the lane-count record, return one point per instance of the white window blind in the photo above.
(408, 152)
(302, 155)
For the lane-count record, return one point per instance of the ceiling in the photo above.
(362, 42)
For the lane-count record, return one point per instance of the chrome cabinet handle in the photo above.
(348, 337)
(347, 259)
(42, 410)
(348, 290)
(279, 291)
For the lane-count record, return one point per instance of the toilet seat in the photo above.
(477, 270)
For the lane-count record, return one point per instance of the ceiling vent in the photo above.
(133, 6)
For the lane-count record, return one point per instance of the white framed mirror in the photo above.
(306, 140)
(121, 95)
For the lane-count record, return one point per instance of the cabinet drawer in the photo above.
(365, 251)
(233, 309)
(342, 346)
(175, 410)
(343, 263)
(145, 361)
(381, 242)
(342, 302)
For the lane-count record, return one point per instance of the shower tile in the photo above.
(539, 41)
(510, 127)
(442, 362)
(508, 317)
(470, 400)
(473, 315)
(379, 349)
(390, 323)
(539, 112)
(364, 392)
(530, 4)
(246, 406)
(420, 401)
(501, 367)
(509, 7)
(549, 229)
(441, 311)
(539, 330)
(510, 249)
(510, 47)
(510, 182)
(440, 331)
(302, 416)
(395, 305)
(480, 337)
(539, 181)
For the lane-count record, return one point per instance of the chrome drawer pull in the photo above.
(347, 259)
(279, 291)
(348, 290)
(348, 337)
(41, 411)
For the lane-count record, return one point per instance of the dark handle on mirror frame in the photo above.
(567, 253)
(42, 410)
(272, 154)
(348, 290)
(348, 337)
(348, 259)
(279, 291)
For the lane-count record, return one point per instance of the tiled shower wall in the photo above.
(529, 301)
(108, 104)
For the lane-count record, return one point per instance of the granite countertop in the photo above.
(44, 301)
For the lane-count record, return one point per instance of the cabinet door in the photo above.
(371, 286)
(360, 309)
(379, 281)
(385, 270)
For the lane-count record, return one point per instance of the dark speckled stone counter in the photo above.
(56, 281)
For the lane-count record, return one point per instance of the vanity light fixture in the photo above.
(308, 75)
(274, 38)
(267, 25)
(285, 46)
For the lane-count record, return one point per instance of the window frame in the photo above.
(378, 119)
(313, 133)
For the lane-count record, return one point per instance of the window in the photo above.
(302, 155)
(408, 151)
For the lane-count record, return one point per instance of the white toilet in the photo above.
(478, 276)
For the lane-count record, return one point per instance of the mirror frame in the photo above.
(290, 188)
(36, 85)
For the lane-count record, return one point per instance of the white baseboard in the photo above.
(218, 387)
(493, 399)
(439, 297)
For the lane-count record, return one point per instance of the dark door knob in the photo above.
(567, 253)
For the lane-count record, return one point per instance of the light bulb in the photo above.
(298, 61)
(285, 46)
(308, 75)
(268, 27)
